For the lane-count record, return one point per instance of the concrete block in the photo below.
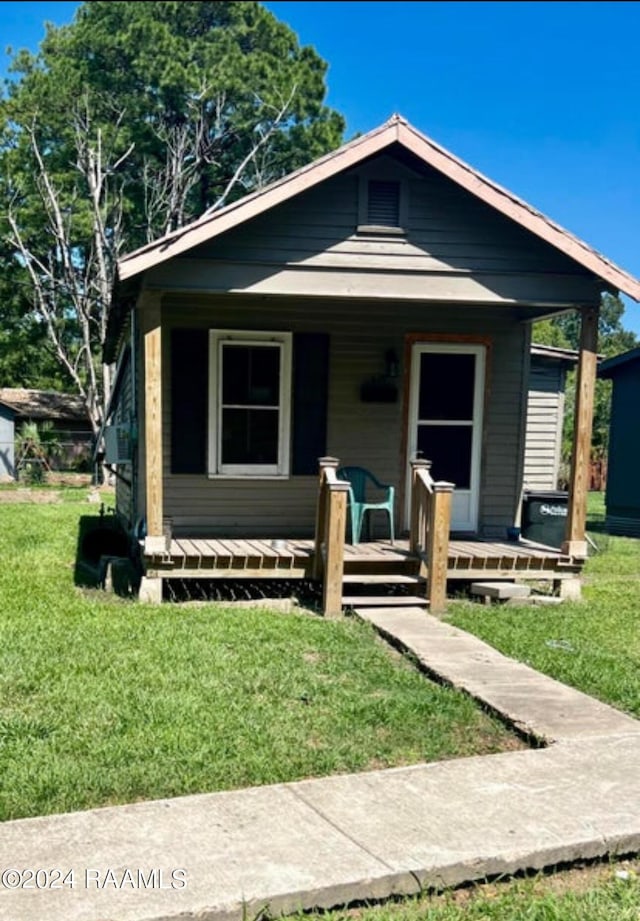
(150, 590)
(501, 591)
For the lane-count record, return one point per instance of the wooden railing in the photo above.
(429, 534)
(331, 522)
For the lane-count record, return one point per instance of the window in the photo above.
(250, 396)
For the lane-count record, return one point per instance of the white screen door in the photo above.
(445, 420)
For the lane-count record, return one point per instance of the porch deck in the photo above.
(258, 558)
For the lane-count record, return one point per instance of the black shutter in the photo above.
(189, 400)
(310, 397)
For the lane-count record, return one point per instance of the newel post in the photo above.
(417, 522)
(575, 543)
(324, 464)
(438, 546)
(335, 526)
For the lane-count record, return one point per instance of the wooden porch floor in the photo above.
(293, 558)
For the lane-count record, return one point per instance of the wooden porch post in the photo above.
(324, 463)
(575, 543)
(438, 547)
(151, 326)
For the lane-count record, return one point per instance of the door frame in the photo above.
(480, 406)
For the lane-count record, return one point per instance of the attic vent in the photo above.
(383, 204)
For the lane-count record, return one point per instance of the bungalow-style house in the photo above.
(373, 309)
(622, 498)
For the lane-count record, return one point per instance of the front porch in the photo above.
(213, 558)
(426, 561)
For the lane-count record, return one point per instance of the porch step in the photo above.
(381, 579)
(384, 601)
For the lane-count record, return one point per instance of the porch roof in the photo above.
(396, 131)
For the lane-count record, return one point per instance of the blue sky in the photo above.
(543, 97)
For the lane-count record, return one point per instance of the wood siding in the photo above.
(369, 434)
(125, 412)
(545, 411)
(455, 247)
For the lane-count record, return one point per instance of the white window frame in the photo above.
(284, 342)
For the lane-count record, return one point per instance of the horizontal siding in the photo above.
(544, 424)
(449, 230)
(369, 434)
(623, 483)
(125, 412)
(627, 527)
(449, 233)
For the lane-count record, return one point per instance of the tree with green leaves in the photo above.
(128, 123)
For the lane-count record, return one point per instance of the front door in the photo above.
(445, 420)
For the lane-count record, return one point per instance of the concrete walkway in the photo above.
(535, 704)
(329, 841)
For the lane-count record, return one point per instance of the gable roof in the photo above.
(397, 131)
(611, 366)
(44, 404)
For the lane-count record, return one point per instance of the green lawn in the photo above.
(599, 893)
(593, 644)
(105, 700)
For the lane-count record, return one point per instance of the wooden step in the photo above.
(381, 579)
(384, 601)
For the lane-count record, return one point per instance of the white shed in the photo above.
(545, 415)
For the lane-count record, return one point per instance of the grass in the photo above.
(597, 893)
(592, 644)
(104, 700)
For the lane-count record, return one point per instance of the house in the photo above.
(63, 413)
(622, 497)
(545, 415)
(7, 442)
(373, 307)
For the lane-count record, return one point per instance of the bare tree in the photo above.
(196, 143)
(72, 271)
(71, 257)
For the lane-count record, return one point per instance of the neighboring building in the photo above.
(66, 415)
(7, 442)
(373, 305)
(545, 415)
(622, 497)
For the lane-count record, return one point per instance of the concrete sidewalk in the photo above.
(330, 841)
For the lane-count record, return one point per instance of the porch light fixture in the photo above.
(392, 364)
(382, 388)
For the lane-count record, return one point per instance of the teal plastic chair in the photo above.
(359, 481)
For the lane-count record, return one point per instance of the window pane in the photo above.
(250, 375)
(446, 386)
(449, 449)
(249, 436)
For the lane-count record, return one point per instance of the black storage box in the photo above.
(544, 516)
